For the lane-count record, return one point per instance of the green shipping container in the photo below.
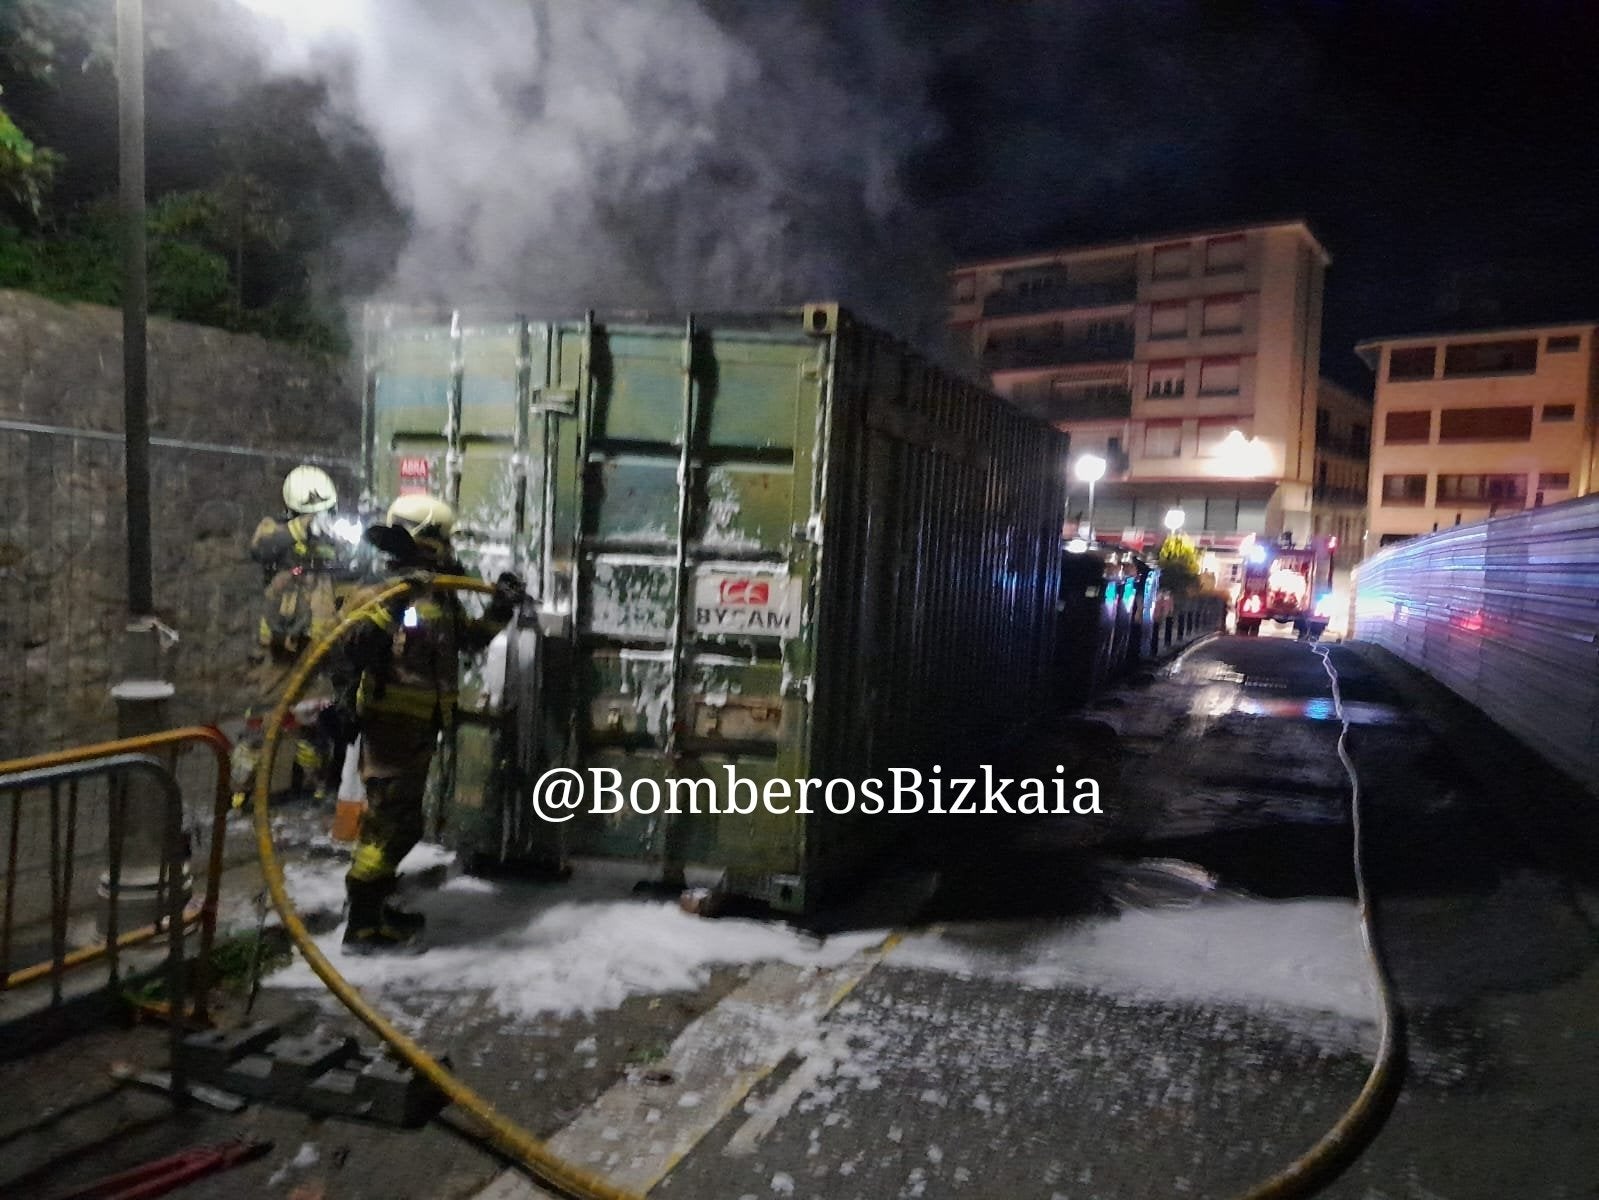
(783, 543)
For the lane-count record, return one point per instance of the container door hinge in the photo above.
(560, 401)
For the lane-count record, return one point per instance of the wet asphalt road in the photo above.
(973, 1084)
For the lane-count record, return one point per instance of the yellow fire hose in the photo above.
(505, 1134)
(1319, 1165)
(1304, 1176)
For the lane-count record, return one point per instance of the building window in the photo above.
(1169, 320)
(1026, 281)
(1393, 539)
(1360, 439)
(1559, 412)
(1219, 377)
(1163, 441)
(1166, 379)
(1223, 314)
(1323, 422)
(1512, 356)
(1172, 262)
(1224, 254)
(1412, 362)
(1564, 344)
(1482, 489)
(1404, 489)
(1554, 481)
(1099, 334)
(1506, 424)
(1408, 425)
(1213, 435)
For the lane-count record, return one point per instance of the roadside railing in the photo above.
(1192, 618)
(44, 804)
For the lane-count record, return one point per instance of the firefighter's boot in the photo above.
(368, 930)
(402, 919)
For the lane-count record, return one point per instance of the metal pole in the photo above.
(142, 693)
(1090, 535)
(135, 397)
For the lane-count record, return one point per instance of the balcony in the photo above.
(1328, 443)
(1103, 407)
(1063, 352)
(1339, 495)
(1049, 297)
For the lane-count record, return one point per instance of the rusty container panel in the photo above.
(781, 543)
(1504, 612)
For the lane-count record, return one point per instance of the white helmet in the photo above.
(417, 511)
(309, 490)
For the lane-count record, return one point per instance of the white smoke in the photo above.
(611, 153)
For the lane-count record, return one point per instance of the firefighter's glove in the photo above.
(363, 648)
(340, 721)
(509, 591)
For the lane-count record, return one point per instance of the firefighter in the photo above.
(298, 555)
(397, 675)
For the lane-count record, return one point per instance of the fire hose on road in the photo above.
(1303, 1177)
(1341, 1144)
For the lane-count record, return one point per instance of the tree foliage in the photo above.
(26, 170)
(1179, 563)
(226, 246)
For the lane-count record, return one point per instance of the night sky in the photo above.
(1445, 152)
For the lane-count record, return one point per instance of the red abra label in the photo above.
(744, 591)
(414, 474)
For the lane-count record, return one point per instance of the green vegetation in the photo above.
(1179, 564)
(26, 171)
(227, 245)
(230, 967)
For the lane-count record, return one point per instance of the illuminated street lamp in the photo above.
(1090, 469)
(1174, 519)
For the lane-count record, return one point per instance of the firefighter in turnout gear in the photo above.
(397, 675)
(298, 555)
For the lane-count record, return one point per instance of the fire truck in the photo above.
(1287, 583)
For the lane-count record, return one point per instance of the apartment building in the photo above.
(1189, 362)
(1343, 460)
(1474, 423)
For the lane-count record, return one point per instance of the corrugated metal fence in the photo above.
(1505, 613)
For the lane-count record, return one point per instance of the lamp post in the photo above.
(1090, 469)
(142, 693)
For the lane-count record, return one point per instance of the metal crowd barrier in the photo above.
(1504, 612)
(63, 785)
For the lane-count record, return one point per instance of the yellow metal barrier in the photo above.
(205, 914)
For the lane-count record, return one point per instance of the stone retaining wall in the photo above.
(229, 415)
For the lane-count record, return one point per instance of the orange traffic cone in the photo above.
(352, 797)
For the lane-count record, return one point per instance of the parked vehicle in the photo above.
(783, 542)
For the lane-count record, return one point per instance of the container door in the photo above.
(450, 411)
(692, 615)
